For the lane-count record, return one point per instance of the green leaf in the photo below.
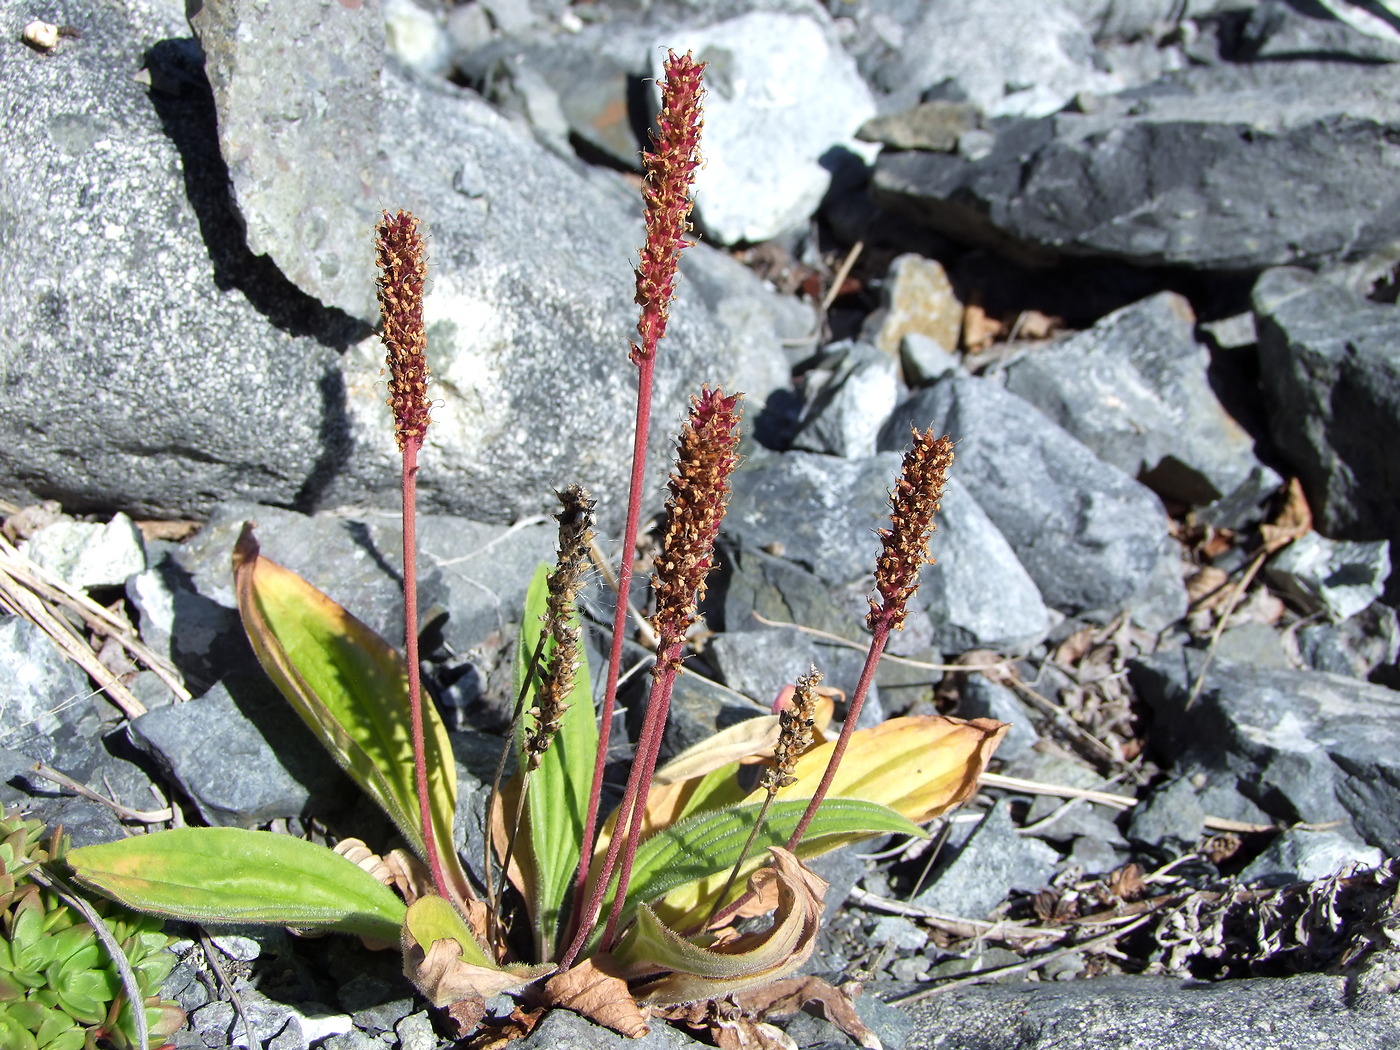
(351, 688)
(557, 796)
(709, 843)
(233, 875)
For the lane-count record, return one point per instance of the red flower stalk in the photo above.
(670, 175)
(707, 453)
(401, 258)
(904, 551)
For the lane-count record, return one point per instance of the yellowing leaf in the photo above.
(919, 766)
(697, 972)
(351, 688)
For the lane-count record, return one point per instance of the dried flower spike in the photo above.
(795, 724)
(575, 519)
(400, 255)
(670, 174)
(913, 504)
(706, 455)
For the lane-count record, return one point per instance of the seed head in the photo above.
(913, 503)
(795, 725)
(400, 257)
(706, 455)
(575, 519)
(670, 174)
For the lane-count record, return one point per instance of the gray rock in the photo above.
(1298, 855)
(104, 304)
(1253, 643)
(291, 118)
(1355, 647)
(935, 125)
(415, 1032)
(86, 554)
(756, 318)
(977, 593)
(569, 84)
(42, 689)
(753, 581)
(1002, 56)
(532, 266)
(1336, 577)
(980, 697)
(1156, 1013)
(242, 755)
(925, 360)
(1280, 32)
(889, 1023)
(782, 95)
(898, 932)
(1224, 167)
(417, 36)
(1306, 746)
(759, 663)
(562, 1030)
(849, 394)
(1134, 390)
(1231, 333)
(699, 707)
(1329, 374)
(201, 637)
(1170, 820)
(994, 862)
(1095, 856)
(479, 573)
(819, 511)
(1089, 536)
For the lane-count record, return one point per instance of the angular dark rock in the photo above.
(1331, 379)
(1304, 745)
(977, 594)
(201, 372)
(1225, 167)
(242, 755)
(1134, 389)
(849, 393)
(1090, 536)
(819, 511)
(994, 861)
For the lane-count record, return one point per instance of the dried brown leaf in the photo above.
(785, 997)
(1293, 522)
(444, 978)
(595, 989)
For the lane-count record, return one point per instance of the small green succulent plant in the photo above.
(60, 989)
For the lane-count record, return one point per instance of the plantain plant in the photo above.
(608, 918)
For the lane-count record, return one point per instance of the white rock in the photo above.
(780, 95)
(86, 554)
(415, 36)
(1010, 57)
